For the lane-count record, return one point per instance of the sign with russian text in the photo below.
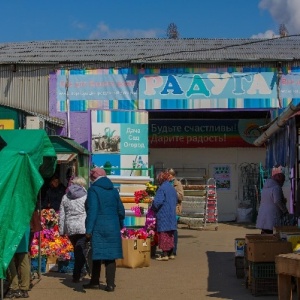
(119, 141)
(204, 133)
(289, 86)
(96, 85)
(208, 85)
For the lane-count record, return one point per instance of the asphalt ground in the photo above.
(203, 269)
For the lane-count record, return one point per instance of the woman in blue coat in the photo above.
(164, 204)
(105, 216)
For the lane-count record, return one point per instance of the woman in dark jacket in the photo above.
(164, 204)
(105, 216)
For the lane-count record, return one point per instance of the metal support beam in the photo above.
(279, 123)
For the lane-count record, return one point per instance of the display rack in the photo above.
(193, 206)
(127, 185)
(194, 187)
(211, 208)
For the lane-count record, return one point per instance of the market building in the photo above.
(205, 107)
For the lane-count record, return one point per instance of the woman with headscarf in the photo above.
(272, 205)
(180, 195)
(105, 216)
(164, 205)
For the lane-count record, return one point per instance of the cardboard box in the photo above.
(266, 251)
(52, 259)
(261, 237)
(294, 239)
(291, 229)
(136, 253)
(52, 265)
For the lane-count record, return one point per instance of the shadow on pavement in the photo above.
(222, 276)
(222, 280)
(66, 279)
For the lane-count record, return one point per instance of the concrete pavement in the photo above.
(203, 269)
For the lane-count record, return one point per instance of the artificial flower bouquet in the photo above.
(49, 218)
(141, 196)
(148, 231)
(151, 189)
(52, 244)
(138, 210)
(146, 194)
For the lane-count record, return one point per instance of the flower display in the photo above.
(49, 218)
(138, 210)
(52, 244)
(128, 233)
(151, 189)
(148, 231)
(141, 195)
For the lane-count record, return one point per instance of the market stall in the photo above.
(72, 158)
(25, 160)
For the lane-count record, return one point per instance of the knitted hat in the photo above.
(97, 172)
(164, 176)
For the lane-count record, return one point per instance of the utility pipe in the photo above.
(281, 120)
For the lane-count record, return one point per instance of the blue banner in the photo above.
(253, 85)
(96, 86)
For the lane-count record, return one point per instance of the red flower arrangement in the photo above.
(140, 196)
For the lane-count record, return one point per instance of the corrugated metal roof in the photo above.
(65, 145)
(52, 120)
(151, 50)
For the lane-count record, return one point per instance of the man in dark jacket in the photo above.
(105, 215)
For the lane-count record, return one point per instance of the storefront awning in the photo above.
(65, 145)
(65, 157)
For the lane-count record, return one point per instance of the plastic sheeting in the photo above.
(281, 148)
(20, 181)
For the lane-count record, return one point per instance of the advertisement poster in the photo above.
(119, 142)
(222, 175)
(198, 133)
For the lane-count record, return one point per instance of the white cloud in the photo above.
(269, 34)
(285, 12)
(104, 32)
(79, 25)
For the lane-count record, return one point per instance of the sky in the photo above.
(40, 20)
